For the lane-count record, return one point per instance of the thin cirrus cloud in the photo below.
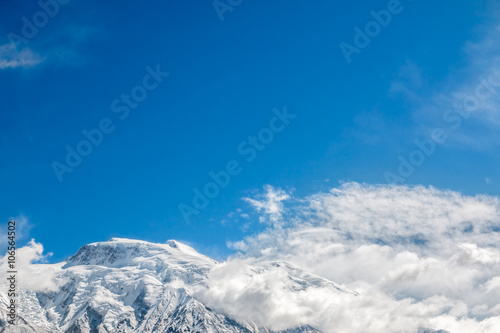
(419, 257)
(63, 47)
(12, 57)
(23, 227)
(466, 104)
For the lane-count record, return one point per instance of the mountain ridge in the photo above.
(132, 286)
(125, 285)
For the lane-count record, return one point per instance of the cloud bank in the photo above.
(402, 259)
(419, 257)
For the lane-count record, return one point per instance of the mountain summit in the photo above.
(125, 285)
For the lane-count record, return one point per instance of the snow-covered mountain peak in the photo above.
(125, 286)
(123, 252)
(173, 243)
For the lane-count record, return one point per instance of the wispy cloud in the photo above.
(69, 45)
(271, 203)
(467, 102)
(11, 57)
(23, 227)
(408, 82)
(63, 47)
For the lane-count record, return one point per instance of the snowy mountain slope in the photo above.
(131, 286)
(126, 285)
(21, 325)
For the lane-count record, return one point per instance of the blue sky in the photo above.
(227, 81)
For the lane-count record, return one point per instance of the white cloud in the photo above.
(31, 273)
(418, 256)
(11, 57)
(270, 203)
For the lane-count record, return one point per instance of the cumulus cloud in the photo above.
(11, 57)
(32, 274)
(417, 256)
